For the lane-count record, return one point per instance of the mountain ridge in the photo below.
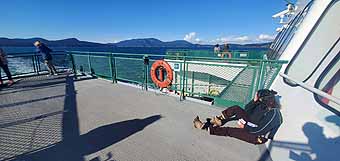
(142, 42)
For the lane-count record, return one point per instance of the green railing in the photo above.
(225, 81)
(239, 54)
(31, 63)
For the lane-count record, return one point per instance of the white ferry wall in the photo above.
(310, 131)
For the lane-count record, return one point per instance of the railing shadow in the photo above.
(74, 146)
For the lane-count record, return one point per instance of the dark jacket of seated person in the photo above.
(263, 119)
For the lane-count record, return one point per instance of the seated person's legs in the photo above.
(241, 134)
(231, 113)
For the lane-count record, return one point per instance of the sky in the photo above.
(108, 21)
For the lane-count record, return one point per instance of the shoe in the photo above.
(261, 140)
(197, 123)
(10, 83)
(217, 121)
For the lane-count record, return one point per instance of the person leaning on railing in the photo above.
(4, 66)
(261, 116)
(46, 55)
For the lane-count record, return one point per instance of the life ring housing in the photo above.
(159, 66)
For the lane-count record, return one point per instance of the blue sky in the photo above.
(199, 21)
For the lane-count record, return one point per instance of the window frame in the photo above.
(320, 79)
(330, 5)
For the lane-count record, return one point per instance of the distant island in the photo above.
(147, 42)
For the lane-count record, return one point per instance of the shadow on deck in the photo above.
(27, 144)
(57, 118)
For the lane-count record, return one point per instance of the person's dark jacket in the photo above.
(269, 123)
(255, 111)
(45, 52)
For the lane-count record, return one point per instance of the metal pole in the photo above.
(38, 64)
(115, 69)
(33, 63)
(73, 65)
(111, 68)
(146, 65)
(183, 83)
(89, 64)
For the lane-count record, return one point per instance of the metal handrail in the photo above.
(312, 89)
(109, 65)
(173, 56)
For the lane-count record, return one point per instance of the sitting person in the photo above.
(260, 116)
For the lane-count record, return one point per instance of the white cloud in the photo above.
(241, 39)
(192, 37)
(244, 39)
(265, 37)
(232, 39)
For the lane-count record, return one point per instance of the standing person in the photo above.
(46, 55)
(4, 66)
(260, 117)
(217, 48)
(226, 51)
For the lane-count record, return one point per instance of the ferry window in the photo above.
(283, 38)
(329, 83)
(322, 39)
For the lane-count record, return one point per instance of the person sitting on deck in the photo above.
(46, 55)
(4, 66)
(260, 117)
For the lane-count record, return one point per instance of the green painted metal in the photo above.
(240, 77)
(111, 68)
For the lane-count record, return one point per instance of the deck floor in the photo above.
(57, 118)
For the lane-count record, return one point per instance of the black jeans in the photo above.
(6, 70)
(242, 134)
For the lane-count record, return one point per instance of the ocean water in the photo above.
(127, 69)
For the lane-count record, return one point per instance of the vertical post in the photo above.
(183, 83)
(111, 68)
(187, 75)
(38, 64)
(89, 63)
(73, 65)
(115, 69)
(33, 63)
(146, 67)
(259, 80)
(192, 83)
(209, 81)
(252, 86)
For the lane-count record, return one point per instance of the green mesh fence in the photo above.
(226, 81)
(100, 66)
(130, 69)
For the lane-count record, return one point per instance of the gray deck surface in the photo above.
(56, 118)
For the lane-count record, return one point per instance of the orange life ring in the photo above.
(159, 66)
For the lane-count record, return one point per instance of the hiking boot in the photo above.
(197, 123)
